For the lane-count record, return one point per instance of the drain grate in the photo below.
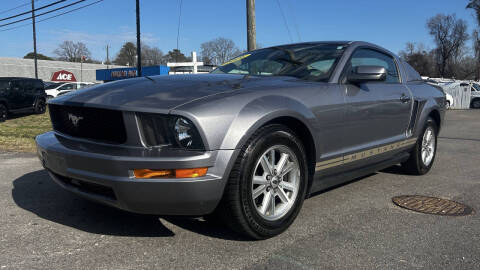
(432, 205)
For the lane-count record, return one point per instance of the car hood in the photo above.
(158, 93)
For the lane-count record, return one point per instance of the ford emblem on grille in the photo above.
(75, 119)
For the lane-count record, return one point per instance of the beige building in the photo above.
(19, 67)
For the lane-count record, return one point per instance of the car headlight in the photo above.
(169, 131)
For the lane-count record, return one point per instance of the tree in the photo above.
(176, 55)
(419, 58)
(218, 51)
(475, 5)
(450, 35)
(71, 51)
(40, 56)
(127, 55)
(152, 56)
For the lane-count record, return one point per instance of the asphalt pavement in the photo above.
(353, 226)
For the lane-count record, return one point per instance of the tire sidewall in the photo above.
(40, 106)
(271, 137)
(425, 168)
(3, 108)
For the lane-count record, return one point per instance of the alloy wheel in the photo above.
(428, 146)
(276, 182)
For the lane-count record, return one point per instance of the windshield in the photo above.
(53, 86)
(305, 61)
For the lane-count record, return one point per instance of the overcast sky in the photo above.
(385, 22)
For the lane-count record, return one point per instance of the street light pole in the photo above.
(251, 28)
(34, 40)
(139, 51)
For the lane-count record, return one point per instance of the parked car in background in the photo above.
(20, 95)
(475, 96)
(54, 89)
(248, 142)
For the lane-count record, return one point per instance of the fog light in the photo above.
(177, 173)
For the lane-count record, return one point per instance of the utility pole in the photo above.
(108, 60)
(34, 40)
(251, 28)
(139, 51)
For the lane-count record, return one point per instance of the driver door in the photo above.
(377, 113)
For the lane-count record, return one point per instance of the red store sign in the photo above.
(63, 76)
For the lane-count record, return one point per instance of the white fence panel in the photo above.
(461, 95)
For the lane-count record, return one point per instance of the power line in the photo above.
(294, 20)
(284, 20)
(51, 17)
(38, 15)
(30, 11)
(17, 7)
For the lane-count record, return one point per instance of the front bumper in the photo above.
(103, 173)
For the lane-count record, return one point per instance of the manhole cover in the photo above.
(432, 205)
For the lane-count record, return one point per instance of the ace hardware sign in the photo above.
(63, 76)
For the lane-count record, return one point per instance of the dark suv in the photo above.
(21, 95)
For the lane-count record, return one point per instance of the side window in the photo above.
(38, 85)
(368, 57)
(16, 86)
(68, 86)
(28, 85)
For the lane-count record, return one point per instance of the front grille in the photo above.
(89, 123)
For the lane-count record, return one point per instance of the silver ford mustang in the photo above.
(248, 142)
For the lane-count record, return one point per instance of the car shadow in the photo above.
(12, 116)
(37, 193)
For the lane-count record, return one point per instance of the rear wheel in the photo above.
(447, 105)
(40, 106)
(3, 112)
(422, 156)
(267, 185)
(476, 103)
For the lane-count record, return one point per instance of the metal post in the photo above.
(251, 28)
(108, 60)
(81, 68)
(34, 40)
(139, 51)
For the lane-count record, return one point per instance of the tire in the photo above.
(476, 103)
(447, 105)
(40, 106)
(254, 217)
(3, 112)
(420, 163)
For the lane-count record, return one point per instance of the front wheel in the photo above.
(476, 103)
(423, 154)
(3, 112)
(267, 185)
(40, 106)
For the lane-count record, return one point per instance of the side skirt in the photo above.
(324, 182)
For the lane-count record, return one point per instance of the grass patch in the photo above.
(18, 133)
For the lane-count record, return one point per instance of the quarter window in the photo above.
(368, 57)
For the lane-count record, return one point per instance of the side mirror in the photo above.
(362, 74)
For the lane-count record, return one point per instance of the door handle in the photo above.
(404, 98)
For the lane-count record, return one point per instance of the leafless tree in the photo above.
(475, 5)
(450, 35)
(127, 55)
(152, 56)
(419, 58)
(71, 51)
(218, 51)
